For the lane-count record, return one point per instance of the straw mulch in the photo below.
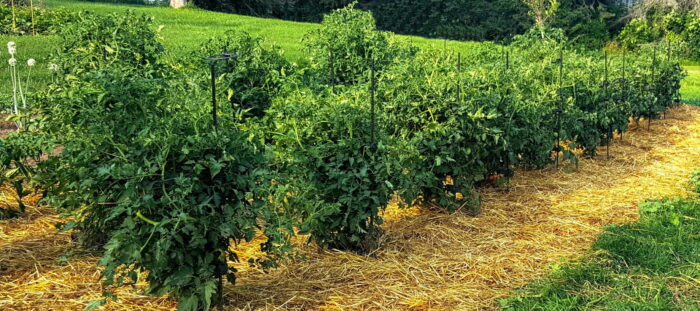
(428, 260)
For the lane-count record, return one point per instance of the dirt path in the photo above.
(428, 260)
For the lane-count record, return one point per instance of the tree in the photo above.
(541, 11)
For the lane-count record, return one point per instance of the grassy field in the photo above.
(188, 29)
(690, 87)
(184, 30)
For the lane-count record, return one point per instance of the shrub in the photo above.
(637, 32)
(122, 40)
(18, 152)
(421, 106)
(343, 50)
(324, 146)
(143, 171)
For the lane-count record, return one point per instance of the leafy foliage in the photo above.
(143, 170)
(695, 181)
(348, 44)
(92, 42)
(324, 145)
(254, 76)
(18, 152)
(681, 27)
(589, 24)
(43, 22)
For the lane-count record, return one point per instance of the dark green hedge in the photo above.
(591, 24)
(452, 19)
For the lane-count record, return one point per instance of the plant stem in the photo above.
(14, 18)
(26, 88)
(14, 89)
(31, 8)
(18, 80)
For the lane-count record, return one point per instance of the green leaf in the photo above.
(95, 304)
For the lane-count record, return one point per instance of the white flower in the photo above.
(11, 47)
(12, 61)
(53, 67)
(31, 62)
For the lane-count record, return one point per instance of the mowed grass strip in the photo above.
(690, 86)
(652, 264)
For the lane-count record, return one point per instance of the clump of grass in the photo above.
(690, 89)
(695, 181)
(647, 265)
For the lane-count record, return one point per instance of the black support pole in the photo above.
(608, 101)
(559, 109)
(213, 96)
(459, 78)
(653, 85)
(373, 143)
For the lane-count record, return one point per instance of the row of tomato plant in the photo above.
(318, 148)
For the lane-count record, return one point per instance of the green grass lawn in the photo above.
(184, 30)
(37, 47)
(653, 264)
(188, 29)
(690, 86)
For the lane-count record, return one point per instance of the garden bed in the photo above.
(427, 259)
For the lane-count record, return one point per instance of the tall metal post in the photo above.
(221, 268)
(213, 96)
(608, 102)
(653, 85)
(559, 109)
(225, 56)
(459, 78)
(373, 143)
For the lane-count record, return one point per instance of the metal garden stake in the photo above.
(213, 59)
(653, 85)
(459, 78)
(609, 102)
(559, 109)
(373, 143)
